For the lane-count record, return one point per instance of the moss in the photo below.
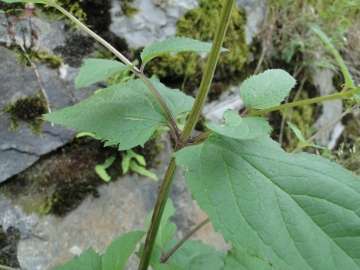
(27, 109)
(60, 181)
(128, 9)
(52, 61)
(75, 49)
(200, 24)
(8, 246)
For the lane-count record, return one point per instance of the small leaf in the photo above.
(266, 90)
(100, 169)
(303, 142)
(167, 229)
(89, 260)
(243, 261)
(240, 128)
(194, 255)
(299, 211)
(96, 70)
(142, 170)
(120, 250)
(27, 1)
(176, 44)
(125, 113)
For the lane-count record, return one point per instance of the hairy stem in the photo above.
(182, 241)
(126, 61)
(189, 126)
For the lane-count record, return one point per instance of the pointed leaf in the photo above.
(125, 113)
(243, 261)
(96, 70)
(267, 89)
(176, 44)
(240, 128)
(299, 211)
(195, 255)
(167, 229)
(89, 260)
(303, 142)
(120, 250)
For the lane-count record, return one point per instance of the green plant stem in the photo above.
(157, 216)
(209, 70)
(126, 61)
(340, 95)
(182, 241)
(189, 126)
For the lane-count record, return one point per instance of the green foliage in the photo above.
(126, 126)
(100, 169)
(278, 210)
(287, 36)
(349, 82)
(120, 250)
(96, 70)
(240, 128)
(137, 163)
(176, 44)
(193, 255)
(266, 204)
(267, 89)
(89, 260)
(114, 258)
(303, 142)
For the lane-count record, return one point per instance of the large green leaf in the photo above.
(243, 261)
(89, 260)
(267, 89)
(126, 113)
(96, 70)
(299, 211)
(176, 44)
(240, 128)
(194, 255)
(120, 250)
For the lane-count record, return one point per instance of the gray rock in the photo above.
(157, 22)
(19, 149)
(331, 109)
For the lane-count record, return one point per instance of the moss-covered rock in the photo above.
(200, 24)
(27, 109)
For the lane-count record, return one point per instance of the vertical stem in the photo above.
(209, 70)
(189, 126)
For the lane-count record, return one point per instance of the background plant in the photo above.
(281, 210)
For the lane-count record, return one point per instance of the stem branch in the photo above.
(182, 241)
